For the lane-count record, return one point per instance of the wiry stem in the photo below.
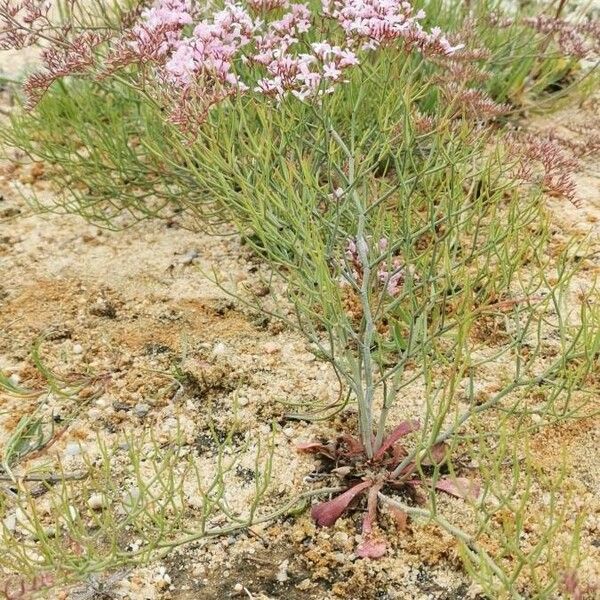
(491, 403)
(365, 340)
(389, 396)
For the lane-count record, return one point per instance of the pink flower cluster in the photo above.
(543, 162)
(379, 22)
(210, 51)
(233, 51)
(169, 13)
(201, 56)
(392, 273)
(76, 58)
(232, 38)
(154, 37)
(287, 70)
(577, 39)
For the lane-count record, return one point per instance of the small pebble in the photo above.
(198, 571)
(189, 258)
(10, 522)
(49, 531)
(162, 579)
(103, 308)
(341, 540)
(73, 449)
(103, 402)
(77, 349)
(271, 347)
(96, 501)
(282, 572)
(304, 584)
(219, 349)
(94, 413)
(141, 409)
(238, 587)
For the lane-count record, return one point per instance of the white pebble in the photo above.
(77, 349)
(220, 349)
(282, 574)
(162, 579)
(73, 449)
(94, 414)
(141, 409)
(49, 531)
(10, 522)
(271, 347)
(96, 501)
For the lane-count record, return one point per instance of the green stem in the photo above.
(365, 340)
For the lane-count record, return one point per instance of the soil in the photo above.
(126, 311)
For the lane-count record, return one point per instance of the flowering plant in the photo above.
(350, 145)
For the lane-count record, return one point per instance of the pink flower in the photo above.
(182, 64)
(348, 59)
(375, 22)
(168, 13)
(330, 71)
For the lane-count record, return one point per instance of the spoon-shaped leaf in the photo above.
(327, 513)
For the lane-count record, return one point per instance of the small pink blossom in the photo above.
(330, 71)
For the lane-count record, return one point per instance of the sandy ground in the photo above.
(128, 306)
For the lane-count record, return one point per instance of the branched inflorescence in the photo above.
(576, 39)
(75, 58)
(545, 163)
(258, 47)
(390, 275)
(22, 24)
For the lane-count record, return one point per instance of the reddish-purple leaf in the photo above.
(400, 518)
(414, 483)
(437, 454)
(354, 446)
(460, 487)
(403, 429)
(316, 448)
(371, 514)
(327, 513)
(371, 548)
